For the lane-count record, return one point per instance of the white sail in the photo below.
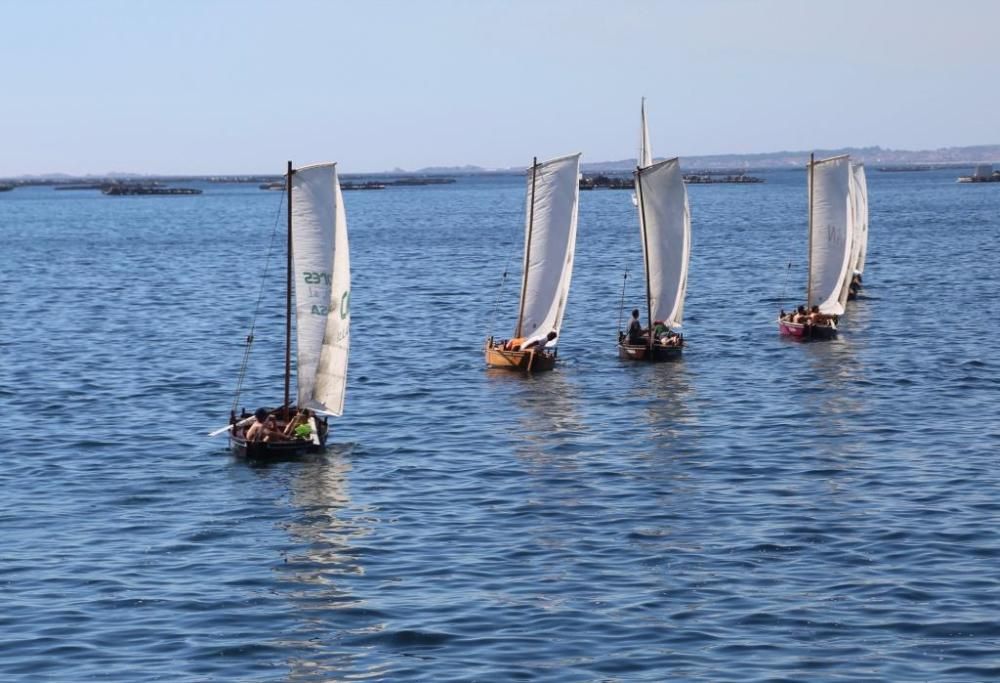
(860, 218)
(322, 287)
(550, 240)
(665, 224)
(832, 226)
(645, 150)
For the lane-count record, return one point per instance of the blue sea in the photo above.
(761, 510)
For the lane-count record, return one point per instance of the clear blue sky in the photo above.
(186, 86)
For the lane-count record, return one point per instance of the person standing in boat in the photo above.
(634, 332)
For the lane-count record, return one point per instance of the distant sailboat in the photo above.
(319, 260)
(831, 226)
(553, 195)
(665, 228)
(859, 205)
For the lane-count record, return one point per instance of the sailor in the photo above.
(634, 332)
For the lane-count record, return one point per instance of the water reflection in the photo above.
(325, 554)
(549, 412)
(668, 396)
(837, 397)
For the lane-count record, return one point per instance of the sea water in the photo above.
(759, 510)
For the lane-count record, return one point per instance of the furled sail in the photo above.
(860, 197)
(550, 239)
(832, 227)
(322, 287)
(665, 223)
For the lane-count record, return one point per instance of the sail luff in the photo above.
(645, 251)
(331, 374)
(811, 181)
(549, 248)
(529, 223)
(861, 216)
(288, 291)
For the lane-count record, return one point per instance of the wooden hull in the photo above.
(657, 354)
(806, 331)
(524, 361)
(276, 450)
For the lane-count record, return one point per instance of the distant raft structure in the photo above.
(381, 184)
(120, 189)
(609, 182)
(984, 173)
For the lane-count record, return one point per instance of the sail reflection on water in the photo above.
(325, 556)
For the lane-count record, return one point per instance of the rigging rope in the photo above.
(256, 310)
(621, 307)
(496, 306)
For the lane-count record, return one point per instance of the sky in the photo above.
(241, 86)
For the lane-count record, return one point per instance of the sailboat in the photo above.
(318, 263)
(665, 227)
(831, 227)
(553, 196)
(859, 205)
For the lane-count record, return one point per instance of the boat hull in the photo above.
(275, 450)
(806, 331)
(523, 361)
(657, 354)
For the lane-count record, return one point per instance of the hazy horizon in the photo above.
(191, 88)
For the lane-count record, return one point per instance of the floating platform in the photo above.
(123, 189)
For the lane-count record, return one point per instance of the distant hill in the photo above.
(871, 156)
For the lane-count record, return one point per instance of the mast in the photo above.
(645, 253)
(812, 163)
(527, 246)
(288, 295)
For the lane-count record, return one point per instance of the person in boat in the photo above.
(264, 428)
(298, 427)
(819, 319)
(634, 333)
(800, 316)
(855, 285)
(513, 344)
(541, 342)
(255, 431)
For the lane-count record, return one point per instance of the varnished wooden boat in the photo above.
(531, 360)
(553, 195)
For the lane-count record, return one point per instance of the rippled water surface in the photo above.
(760, 510)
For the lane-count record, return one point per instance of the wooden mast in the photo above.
(812, 164)
(527, 246)
(645, 254)
(288, 296)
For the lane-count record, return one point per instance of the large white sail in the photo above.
(832, 227)
(550, 240)
(322, 287)
(665, 223)
(860, 217)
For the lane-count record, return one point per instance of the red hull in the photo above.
(806, 331)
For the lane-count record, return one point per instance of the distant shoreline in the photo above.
(949, 157)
